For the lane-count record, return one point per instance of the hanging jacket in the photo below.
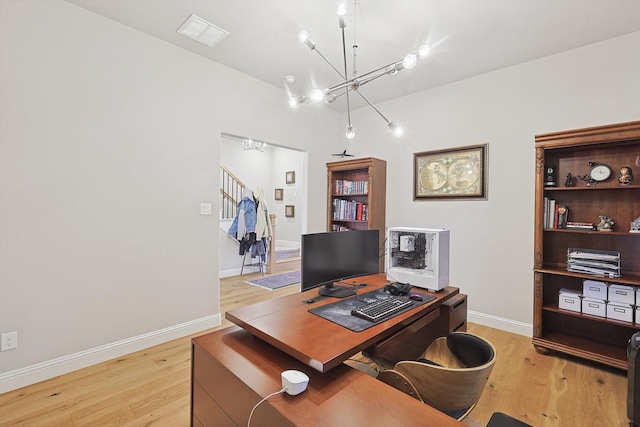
(245, 220)
(263, 225)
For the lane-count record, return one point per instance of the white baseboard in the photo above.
(42, 371)
(230, 272)
(62, 365)
(287, 244)
(501, 323)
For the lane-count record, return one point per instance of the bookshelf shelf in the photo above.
(628, 278)
(585, 348)
(593, 232)
(554, 309)
(596, 188)
(556, 330)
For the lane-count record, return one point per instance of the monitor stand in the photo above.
(331, 290)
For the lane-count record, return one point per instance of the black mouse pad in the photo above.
(339, 312)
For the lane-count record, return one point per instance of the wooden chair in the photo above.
(449, 376)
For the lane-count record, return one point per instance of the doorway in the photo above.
(281, 174)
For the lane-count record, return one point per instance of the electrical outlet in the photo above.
(9, 341)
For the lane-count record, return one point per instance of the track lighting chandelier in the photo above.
(354, 83)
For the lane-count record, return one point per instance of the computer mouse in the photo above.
(415, 297)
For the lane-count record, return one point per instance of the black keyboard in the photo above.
(381, 308)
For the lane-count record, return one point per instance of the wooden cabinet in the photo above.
(357, 196)
(591, 337)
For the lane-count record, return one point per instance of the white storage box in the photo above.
(620, 311)
(568, 299)
(622, 293)
(637, 318)
(594, 307)
(594, 289)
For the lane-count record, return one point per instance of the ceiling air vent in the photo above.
(202, 31)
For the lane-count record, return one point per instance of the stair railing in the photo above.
(271, 258)
(231, 189)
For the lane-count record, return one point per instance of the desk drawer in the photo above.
(454, 313)
(229, 394)
(206, 412)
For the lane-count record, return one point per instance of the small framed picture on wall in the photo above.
(289, 211)
(290, 177)
(279, 194)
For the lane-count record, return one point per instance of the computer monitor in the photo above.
(330, 257)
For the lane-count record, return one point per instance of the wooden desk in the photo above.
(232, 370)
(286, 324)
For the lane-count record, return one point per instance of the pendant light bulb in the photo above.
(350, 133)
(303, 36)
(409, 61)
(293, 103)
(317, 95)
(341, 8)
(398, 131)
(424, 51)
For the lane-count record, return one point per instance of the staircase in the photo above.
(287, 258)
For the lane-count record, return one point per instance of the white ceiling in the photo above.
(469, 37)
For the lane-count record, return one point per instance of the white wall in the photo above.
(492, 240)
(109, 143)
(290, 229)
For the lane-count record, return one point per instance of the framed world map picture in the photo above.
(452, 173)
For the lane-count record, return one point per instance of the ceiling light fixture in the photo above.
(250, 144)
(354, 83)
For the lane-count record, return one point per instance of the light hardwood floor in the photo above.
(152, 387)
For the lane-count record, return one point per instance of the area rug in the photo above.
(278, 281)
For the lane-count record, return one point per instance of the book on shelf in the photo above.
(344, 187)
(336, 227)
(575, 225)
(555, 215)
(350, 210)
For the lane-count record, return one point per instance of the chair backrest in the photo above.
(455, 385)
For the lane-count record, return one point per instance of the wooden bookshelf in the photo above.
(598, 339)
(357, 196)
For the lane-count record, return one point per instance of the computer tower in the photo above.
(418, 256)
(633, 381)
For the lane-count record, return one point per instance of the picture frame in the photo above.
(279, 194)
(290, 177)
(289, 211)
(451, 174)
